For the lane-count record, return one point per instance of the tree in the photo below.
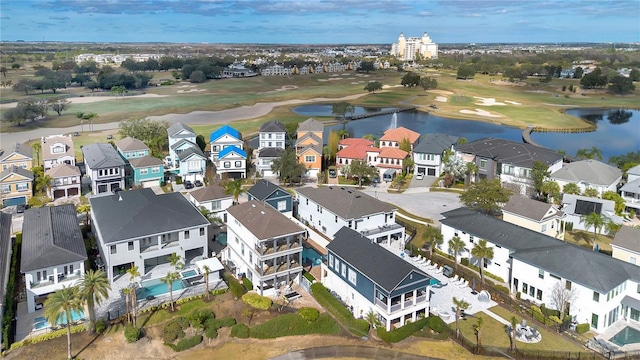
(27, 110)
(595, 221)
(456, 245)
(478, 329)
(561, 297)
(611, 228)
(152, 133)
(617, 199)
(433, 237)
(372, 318)
(465, 72)
(207, 270)
(59, 305)
(119, 90)
(410, 79)
(428, 83)
(621, 85)
(169, 279)
(85, 208)
(456, 167)
(539, 173)
(287, 166)
(133, 274)
(551, 190)
(197, 76)
(37, 148)
(332, 147)
(485, 195)
(592, 153)
(340, 109)
(471, 169)
(366, 66)
(482, 252)
(202, 144)
(361, 170)
(25, 85)
(94, 287)
(126, 292)
(571, 188)
(512, 333)
(373, 86)
(460, 306)
(590, 192)
(43, 182)
(400, 180)
(58, 105)
(174, 260)
(234, 188)
(3, 71)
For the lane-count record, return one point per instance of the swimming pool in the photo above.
(222, 238)
(156, 287)
(628, 335)
(42, 322)
(311, 255)
(188, 273)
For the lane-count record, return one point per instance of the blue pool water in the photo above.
(626, 336)
(433, 282)
(310, 254)
(156, 287)
(188, 274)
(42, 322)
(222, 238)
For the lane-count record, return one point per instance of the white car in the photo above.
(419, 176)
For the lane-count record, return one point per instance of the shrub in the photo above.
(234, 286)
(536, 309)
(172, 331)
(464, 261)
(555, 319)
(309, 277)
(436, 324)
(582, 328)
(401, 333)
(186, 343)
(101, 325)
(211, 332)
(309, 314)
(131, 333)
(247, 284)
(257, 301)
(219, 323)
(549, 312)
(197, 318)
(294, 324)
(518, 295)
(240, 331)
(48, 336)
(357, 327)
(502, 288)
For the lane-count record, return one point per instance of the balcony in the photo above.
(169, 244)
(269, 270)
(381, 229)
(62, 279)
(149, 248)
(397, 306)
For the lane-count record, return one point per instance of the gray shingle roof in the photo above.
(590, 171)
(177, 127)
(348, 203)
(263, 188)
(138, 213)
(510, 152)
(51, 236)
(5, 251)
(101, 155)
(212, 192)
(131, 144)
(628, 238)
(529, 208)
(16, 170)
(272, 126)
(18, 148)
(311, 124)
(145, 161)
(270, 152)
(63, 170)
(263, 221)
(434, 143)
(316, 139)
(632, 186)
(378, 264)
(190, 151)
(182, 142)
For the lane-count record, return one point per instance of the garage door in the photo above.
(431, 172)
(58, 194)
(73, 191)
(15, 201)
(149, 184)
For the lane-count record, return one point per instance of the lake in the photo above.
(618, 131)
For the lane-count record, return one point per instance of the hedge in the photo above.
(403, 332)
(48, 336)
(309, 277)
(240, 331)
(358, 327)
(294, 324)
(308, 313)
(582, 328)
(257, 301)
(131, 333)
(436, 324)
(211, 332)
(219, 323)
(172, 331)
(9, 302)
(234, 286)
(186, 343)
(247, 284)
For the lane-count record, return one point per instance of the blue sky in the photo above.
(320, 21)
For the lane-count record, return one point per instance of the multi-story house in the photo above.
(510, 161)
(428, 153)
(181, 137)
(142, 170)
(192, 163)
(140, 228)
(631, 190)
(66, 181)
(354, 272)
(534, 215)
(272, 194)
(53, 251)
(130, 148)
(272, 141)
(329, 208)
(232, 162)
(104, 167)
(589, 173)
(5, 261)
(351, 149)
(393, 137)
(214, 199)
(222, 138)
(56, 150)
(391, 159)
(309, 146)
(264, 246)
(16, 185)
(626, 245)
(19, 155)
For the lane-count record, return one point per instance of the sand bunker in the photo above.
(189, 91)
(440, 92)
(479, 112)
(390, 86)
(441, 99)
(487, 101)
(512, 102)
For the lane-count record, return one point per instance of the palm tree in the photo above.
(43, 182)
(481, 251)
(127, 292)
(85, 208)
(169, 279)
(596, 221)
(571, 188)
(611, 227)
(37, 147)
(133, 274)
(460, 305)
(174, 260)
(401, 180)
(512, 336)
(456, 245)
(94, 287)
(372, 318)
(207, 271)
(234, 188)
(478, 328)
(471, 171)
(432, 236)
(61, 303)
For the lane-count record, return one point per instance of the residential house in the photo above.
(181, 137)
(533, 264)
(142, 170)
(16, 185)
(510, 161)
(631, 190)
(66, 181)
(222, 138)
(391, 159)
(56, 150)
(626, 245)
(104, 167)
(192, 163)
(272, 194)
(351, 149)
(264, 246)
(309, 146)
(311, 157)
(394, 137)
(265, 159)
(140, 228)
(329, 208)
(272, 141)
(130, 148)
(534, 215)
(576, 206)
(5, 261)
(53, 251)
(587, 174)
(232, 161)
(397, 292)
(428, 153)
(214, 199)
(20, 155)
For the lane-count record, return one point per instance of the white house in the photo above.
(222, 138)
(5, 260)
(56, 150)
(140, 228)
(104, 167)
(53, 251)
(192, 163)
(66, 181)
(181, 137)
(214, 199)
(576, 206)
(272, 141)
(327, 209)
(631, 190)
(231, 161)
(264, 246)
(428, 153)
(589, 174)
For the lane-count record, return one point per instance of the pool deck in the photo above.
(25, 324)
(616, 328)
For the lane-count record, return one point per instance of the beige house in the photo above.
(20, 155)
(534, 215)
(626, 245)
(66, 181)
(56, 150)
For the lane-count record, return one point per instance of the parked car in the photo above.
(198, 183)
(76, 134)
(333, 172)
(20, 208)
(109, 137)
(376, 179)
(419, 176)
(188, 184)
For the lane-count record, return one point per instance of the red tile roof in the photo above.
(400, 133)
(356, 152)
(355, 141)
(392, 153)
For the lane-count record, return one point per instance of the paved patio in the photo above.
(614, 329)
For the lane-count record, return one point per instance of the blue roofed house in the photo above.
(272, 194)
(144, 170)
(367, 277)
(227, 152)
(224, 137)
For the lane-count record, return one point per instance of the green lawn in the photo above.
(585, 239)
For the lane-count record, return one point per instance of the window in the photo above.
(201, 231)
(242, 249)
(352, 276)
(532, 291)
(144, 171)
(250, 258)
(227, 164)
(22, 186)
(525, 288)
(186, 234)
(554, 276)
(632, 259)
(344, 270)
(58, 150)
(596, 296)
(544, 227)
(337, 267)
(508, 169)
(539, 295)
(541, 274)
(594, 321)
(319, 209)
(113, 249)
(5, 188)
(330, 260)
(130, 245)
(282, 205)
(336, 218)
(238, 164)
(155, 169)
(483, 164)
(515, 284)
(350, 223)
(568, 285)
(194, 165)
(471, 238)
(309, 158)
(216, 205)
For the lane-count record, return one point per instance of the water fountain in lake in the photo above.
(394, 121)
